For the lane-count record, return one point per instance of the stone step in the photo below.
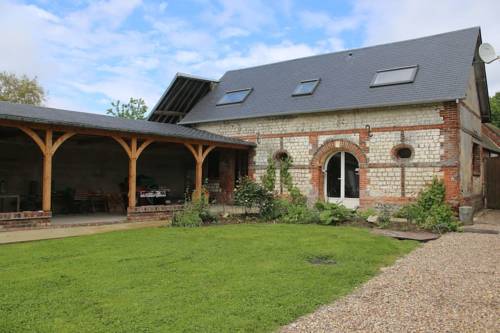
(420, 236)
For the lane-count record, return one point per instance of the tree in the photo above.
(20, 89)
(136, 108)
(495, 109)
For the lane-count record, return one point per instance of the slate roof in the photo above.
(489, 144)
(43, 115)
(444, 63)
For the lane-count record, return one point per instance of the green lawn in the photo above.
(250, 278)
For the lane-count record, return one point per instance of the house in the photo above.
(363, 127)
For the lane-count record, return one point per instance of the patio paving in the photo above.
(102, 218)
(53, 233)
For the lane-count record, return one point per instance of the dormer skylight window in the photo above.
(234, 96)
(306, 87)
(392, 76)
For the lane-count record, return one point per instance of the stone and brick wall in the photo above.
(156, 213)
(431, 130)
(27, 219)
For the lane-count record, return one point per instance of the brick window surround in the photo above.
(329, 148)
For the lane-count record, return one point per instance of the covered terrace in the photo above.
(58, 163)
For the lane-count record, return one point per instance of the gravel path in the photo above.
(448, 285)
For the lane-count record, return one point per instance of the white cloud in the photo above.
(331, 25)
(248, 15)
(187, 56)
(231, 32)
(22, 50)
(110, 14)
(86, 57)
(81, 52)
(257, 54)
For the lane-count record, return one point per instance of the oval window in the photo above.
(281, 156)
(404, 153)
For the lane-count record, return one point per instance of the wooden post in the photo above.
(48, 149)
(47, 173)
(199, 156)
(133, 152)
(132, 174)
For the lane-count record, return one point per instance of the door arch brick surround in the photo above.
(329, 148)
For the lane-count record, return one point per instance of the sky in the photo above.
(89, 53)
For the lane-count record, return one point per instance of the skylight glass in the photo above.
(306, 87)
(394, 76)
(235, 96)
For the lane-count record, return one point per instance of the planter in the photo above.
(466, 214)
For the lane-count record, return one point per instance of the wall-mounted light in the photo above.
(369, 130)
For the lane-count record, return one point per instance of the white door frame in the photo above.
(352, 203)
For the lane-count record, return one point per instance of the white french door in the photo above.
(342, 179)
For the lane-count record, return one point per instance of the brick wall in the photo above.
(26, 219)
(431, 130)
(148, 213)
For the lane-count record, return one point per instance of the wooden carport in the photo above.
(50, 128)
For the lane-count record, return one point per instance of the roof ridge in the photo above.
(351, 50)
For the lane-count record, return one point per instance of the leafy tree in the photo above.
(136, 108)
(20, 89)
(495, 109)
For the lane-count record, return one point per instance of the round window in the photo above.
(281, 156)
(403, 153)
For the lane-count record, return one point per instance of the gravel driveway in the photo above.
(448, 285)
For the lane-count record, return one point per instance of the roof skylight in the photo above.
(235, 96)
(391, 76)
(306, 87)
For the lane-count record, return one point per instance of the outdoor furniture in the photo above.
(3, 198)
(151, 197)
(87, 202)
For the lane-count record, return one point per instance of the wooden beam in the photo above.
(198, 180)
(192, 150)
(113, 134)
(199, 156)
(207, 151)
(33, 135)
(61, 140)
(133, 153)
(124, 145)
(48, 149)
(132, 173)
(199, 172)
(143, 146)
(47, 173)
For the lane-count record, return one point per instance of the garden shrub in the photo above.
(250, 194)
(188, 217)
(194, 214)
(332, 213)
(430, 211)
(299, 214)
(366, 213)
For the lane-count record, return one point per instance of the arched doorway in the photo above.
(342, 179)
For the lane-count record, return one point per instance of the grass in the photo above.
(250, 278)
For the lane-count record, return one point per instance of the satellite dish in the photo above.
(487, 53)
